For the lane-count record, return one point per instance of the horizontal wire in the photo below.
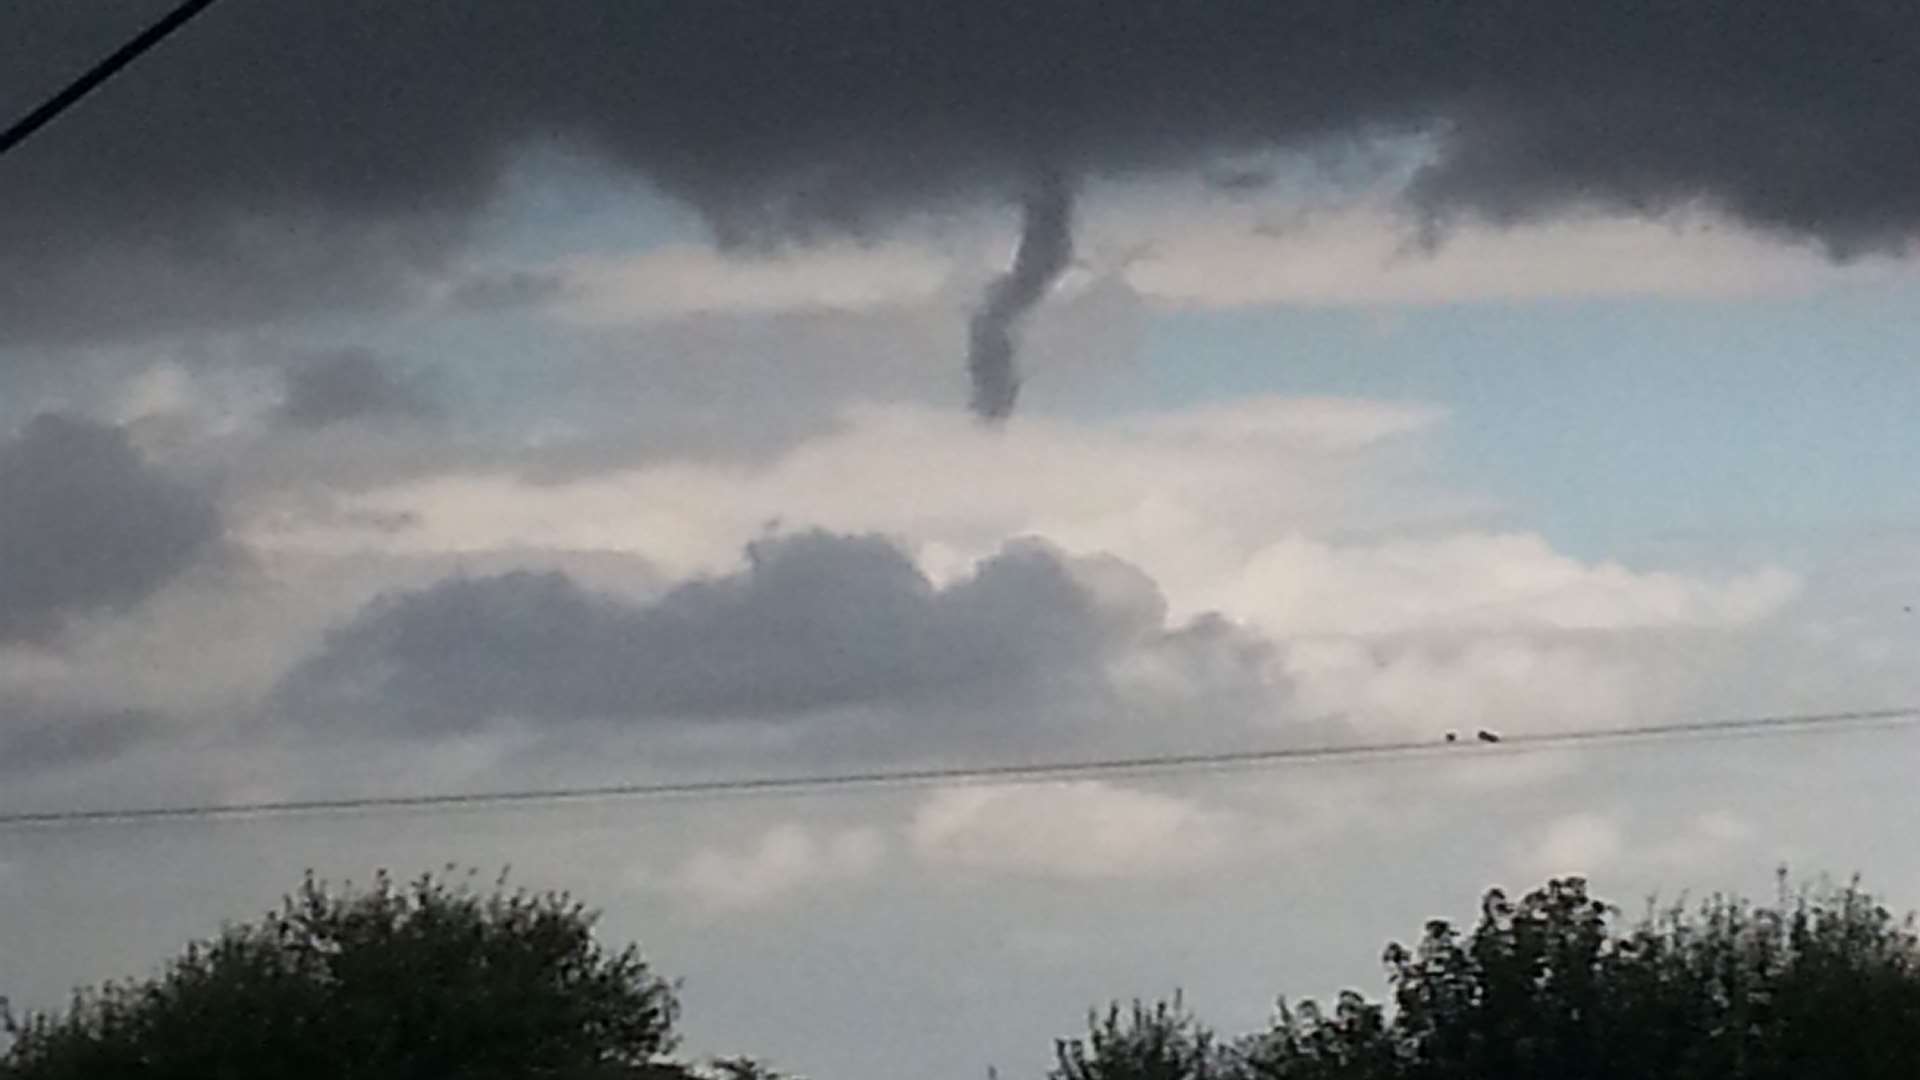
(1008, 773)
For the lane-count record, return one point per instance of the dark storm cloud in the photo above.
(349, 384)
(86, 526)
(816, 622)
(284, 153)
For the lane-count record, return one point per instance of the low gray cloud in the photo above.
(38, 735)
(349, 384)
(816, 622)
(506, 289)
(87, 526)
(286, 155)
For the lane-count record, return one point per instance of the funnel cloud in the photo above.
(1046, 247)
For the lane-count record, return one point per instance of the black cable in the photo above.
(106, 69)
(1013, 773)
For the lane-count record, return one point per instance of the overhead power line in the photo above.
(1010, 773)
(94, 77)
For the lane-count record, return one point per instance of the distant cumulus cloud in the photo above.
(1580, 845)
(679, 281)
(1349, 583)
(1089, 830)
(816, 622)
(1150, 490)
(293, 155)
(1484, 581)
(787, 860)
(1365, 257)
(1591, 844)
(87, 526)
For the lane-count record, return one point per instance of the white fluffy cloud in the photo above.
(1169, 492)
(1481, 581)
(1243, 510)
(1222, 506)
(1589, 844)
(1323, 424)
(787, 860)
(1578, 845)
(1081, 830)
(677, 281)
(1368, 257)
(1415, 688)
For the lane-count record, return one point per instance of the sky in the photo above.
(443, 399)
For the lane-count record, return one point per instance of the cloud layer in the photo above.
(817, 622)
(285, 155)
(346, 385)
(41, 737)
(787, 859)
(87, 526)
(1080, 831)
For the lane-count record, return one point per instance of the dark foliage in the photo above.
(1164, 1042)
(422, 982)
(1824, 985)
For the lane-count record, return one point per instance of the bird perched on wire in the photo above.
(1488, 736)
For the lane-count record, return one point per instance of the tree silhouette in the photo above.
(423, 982)
(1823, 985)
(1163, 1042)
